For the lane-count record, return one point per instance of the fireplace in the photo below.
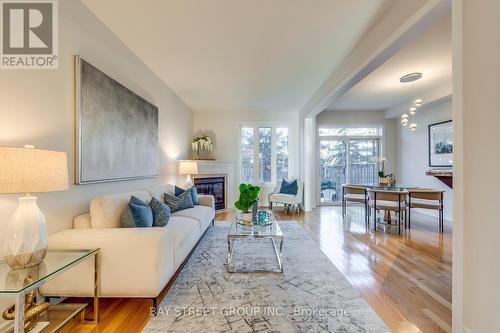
(212, 185)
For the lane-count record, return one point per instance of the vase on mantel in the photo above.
(202, 147)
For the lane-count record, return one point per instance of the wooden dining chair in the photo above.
(427, 199)
(354, 193)
(389, 200)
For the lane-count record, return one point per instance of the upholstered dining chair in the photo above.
(356, 194)
(389, 200)
(427, 199)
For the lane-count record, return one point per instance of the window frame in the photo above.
(380, 126)
(381, 144)
(256, 166)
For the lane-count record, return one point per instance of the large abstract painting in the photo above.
(117, 130)
(441, 144)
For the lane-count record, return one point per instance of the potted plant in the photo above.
(249, 196)
(381, 166)
(381, 170)
(202, 146)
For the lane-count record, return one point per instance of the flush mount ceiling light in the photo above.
(416, 102)
(410, 77)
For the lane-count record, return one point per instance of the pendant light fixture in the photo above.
(416, 102)
(404, 119)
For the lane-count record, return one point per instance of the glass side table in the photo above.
(238, 232)
(18, 283)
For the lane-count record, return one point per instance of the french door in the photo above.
(346, 160)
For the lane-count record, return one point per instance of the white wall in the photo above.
(413, 154)
(477, 69)
(389, 148)
(37, 107)
(223, 128)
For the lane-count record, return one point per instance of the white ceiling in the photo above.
(241, 55)
(430, 54)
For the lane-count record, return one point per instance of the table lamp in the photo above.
(28, 170)
(188, 168)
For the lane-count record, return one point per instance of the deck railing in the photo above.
(332, 178)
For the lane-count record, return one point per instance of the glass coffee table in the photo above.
(18, 283)
(254, 234)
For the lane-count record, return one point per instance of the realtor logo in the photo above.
(29, 34)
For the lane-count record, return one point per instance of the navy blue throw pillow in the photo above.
(143, 215)
(183, 201)
(161, 213)
(136, 201)
(194, 193)
(289, 188)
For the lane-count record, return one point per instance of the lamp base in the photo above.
(189, 182)
(26, 260)
(26, 237)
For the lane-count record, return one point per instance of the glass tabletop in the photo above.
(16, 281)
(397, 187)
(393, 188)
(254, 231)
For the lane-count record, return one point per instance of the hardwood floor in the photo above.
(116, 315)
(406, 278)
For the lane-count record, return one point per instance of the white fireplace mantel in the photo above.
(221, 167)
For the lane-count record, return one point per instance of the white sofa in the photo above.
(134, 262)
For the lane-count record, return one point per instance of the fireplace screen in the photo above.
(212, 186)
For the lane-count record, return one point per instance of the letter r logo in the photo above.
(27, 27)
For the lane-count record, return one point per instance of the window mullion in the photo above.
(348, 167)
(273, 154)
(256, 152)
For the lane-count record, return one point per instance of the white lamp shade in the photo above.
(188, 168)
(28, 170)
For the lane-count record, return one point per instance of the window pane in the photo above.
(333, 167)
(363, 168)
(281, 153)
(350, 131)
(246, 151)
(265, 154)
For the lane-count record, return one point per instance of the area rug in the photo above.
(310, 296)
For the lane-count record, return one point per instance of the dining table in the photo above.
(394, 188)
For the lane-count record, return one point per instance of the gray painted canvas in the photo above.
(118, 130)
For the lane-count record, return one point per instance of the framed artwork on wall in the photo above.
(117, 130)
(441, 144)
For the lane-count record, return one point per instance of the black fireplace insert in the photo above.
(212, 186)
